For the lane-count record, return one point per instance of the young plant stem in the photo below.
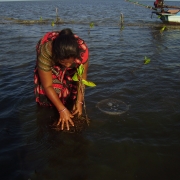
(82, 90)
(81, 86)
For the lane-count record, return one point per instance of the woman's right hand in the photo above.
(65, 115)
(65, 118)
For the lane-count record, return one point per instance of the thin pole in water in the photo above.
(122, 19)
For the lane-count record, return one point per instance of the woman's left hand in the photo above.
(77, 109)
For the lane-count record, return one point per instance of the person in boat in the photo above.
(158, 3)
(59, 54)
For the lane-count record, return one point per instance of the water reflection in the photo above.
(56, 154)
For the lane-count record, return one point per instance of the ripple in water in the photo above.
(112, 106)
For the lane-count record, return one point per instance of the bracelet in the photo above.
(62, 110)
(80, 102)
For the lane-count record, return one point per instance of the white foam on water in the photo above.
(112, 106)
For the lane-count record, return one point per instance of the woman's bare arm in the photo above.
(46, 80)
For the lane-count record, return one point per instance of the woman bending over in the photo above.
(59, 54)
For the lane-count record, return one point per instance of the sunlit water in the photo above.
(142, 143)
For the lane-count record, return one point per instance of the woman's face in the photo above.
(67, 62)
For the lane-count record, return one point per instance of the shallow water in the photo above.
(142, 143)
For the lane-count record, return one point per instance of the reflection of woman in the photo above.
(59, 54)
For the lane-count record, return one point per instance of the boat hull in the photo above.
(169, 18)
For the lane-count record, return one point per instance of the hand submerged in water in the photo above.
(77, 109)
(65, 119)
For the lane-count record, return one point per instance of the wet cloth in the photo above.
(63, 84)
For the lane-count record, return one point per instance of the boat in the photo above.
(167, 14)
(171, 16)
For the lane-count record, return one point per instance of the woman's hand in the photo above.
(65, 118)
(77, 109)
(65, 115)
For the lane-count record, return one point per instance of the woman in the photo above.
(158, 3)
(59, 54)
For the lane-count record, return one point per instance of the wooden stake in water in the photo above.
(57, 16)
(122, 19)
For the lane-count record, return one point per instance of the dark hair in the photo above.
(66, 31)
(65, 46)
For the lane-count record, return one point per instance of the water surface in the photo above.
(142, 143)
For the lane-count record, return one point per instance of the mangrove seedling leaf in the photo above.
(146, 60)
(75, 77)
(52, 24)
(80, 70)
(88, 83)
(162, 29)
(122, 27)
(91, 25)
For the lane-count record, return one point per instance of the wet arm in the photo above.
(65, 115)
(46, 80)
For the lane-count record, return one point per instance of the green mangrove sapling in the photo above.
(78, 77)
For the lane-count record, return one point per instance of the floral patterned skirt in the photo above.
(63, 85)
